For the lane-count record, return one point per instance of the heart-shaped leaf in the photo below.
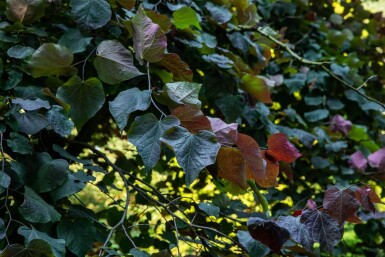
(232, 166)
(192, 118)
(193, 151)
(184, 93)
(145, 133)
(281, 149)
(25, 11)
(222, 130)
(257, 87)
(179, 69)
(366, 196)
(35, 248)
(92, 14)
(86, 98)
(114, 63)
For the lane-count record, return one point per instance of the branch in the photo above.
(261, 198)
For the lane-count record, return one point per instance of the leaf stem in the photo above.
(149, 88)
(261, 199)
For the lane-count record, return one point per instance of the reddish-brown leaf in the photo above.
(366, 196)
(177, 67)
(231, 166)
(221, 130)
(354, 219)
(192, 118)
(251, 153)
(340, 205)
(272, 172)
(281, 149)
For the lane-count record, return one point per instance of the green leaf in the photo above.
(79, 235)
(92, 14)
(29, 122)
(253, 247)
(20, 52)
(150, 41)
(145, 133)
(358, 133)
(14, 78)
(114, 63)
(51, 175)
(85, 97)
(186, 17)
(5, 180)
(51, 59)
(127, 102)
(193, 151)
(76, 46)
(220, 13)
(19, 143)
(257, 87)
(231, 106)
(35, 209)
(36, 248)
(296, 82)
(31, 105)
(138, 253)
(59, 121)
(316, 115)
(25, 11)
(31, 234)
(184, 93)
(74, 183)
(210, 209)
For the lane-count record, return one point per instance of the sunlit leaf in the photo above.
(271, 173)
(232, 166)
(184, 93)
(281, 149)
(257, 87)
(186, 17)
(366, 196)
(222, 130)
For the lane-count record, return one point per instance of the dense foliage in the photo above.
(200, 128)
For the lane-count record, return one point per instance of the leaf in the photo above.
(251, 153)
(219, 60)
(257, 87)
(127, 102)
(186, 17)
(209, 208)
(322, 228)
(220, 13)
(59, 121)
(5, 180)
(29, 122)
(232, 166)
(35, 248)
(145, 133)
(35, 209)
(114, 63)
(150, 41)
(192, 118)
(86, 98)
(92, 14)
(358, 133)
(271, 174)
(76, 46)
(268, 233)
(366, 196)
(25, 11)
(31, 105)
(180, 70)
(184, 93)
(376, 158)
(74, 183)
(281, 149)
(51, 175)
(193, 151)
(2, 229)
(253, 247)
(57, 245)
(231, 106)
(128, 4)
(222, 130)
(298, 231)
(51, 59)
(138, 253)
(79, 235)
(14, 79)
(162, 20)
(316, 115)
(19, 143)
(20, 52)
(340, 205)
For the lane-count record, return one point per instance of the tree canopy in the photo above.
(191, 128)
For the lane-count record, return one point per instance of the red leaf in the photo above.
(272, 172)
(340, 205)
(354, 219)
(177, 67)
(221, 130)
(231, 166)
(297, 213)
(251, 153)
(366, 196)
(192, 118)
(281, 149)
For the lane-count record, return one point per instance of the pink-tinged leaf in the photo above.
(251, 153)
(257, 87)
(221, 130)
(232, 166)
(271, 174)
(281, 149)
(322, 228)
(376, 158)
(340, 205)
(179, 69)
(268, 233)
(150, 41)
(192, 118)
(366, 196)
(358, 161)
(311, 204)
(339, 124)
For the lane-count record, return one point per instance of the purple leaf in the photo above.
(376, 158)
(221, 130)
(358, 161)
(298, 231)
(339, 124)
(150, 41)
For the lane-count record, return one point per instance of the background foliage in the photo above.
(161, 128)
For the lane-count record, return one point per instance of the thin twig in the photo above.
(85, 62)
(149, 88)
